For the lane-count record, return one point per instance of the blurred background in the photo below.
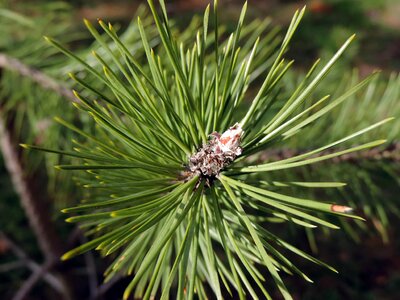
(34, 87)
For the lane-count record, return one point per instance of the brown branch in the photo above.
(391, 153)
(35, 207)
(37, 211)
(33, 200)
(105, 287)
(28, 285)
(11, 266)
(12, 64)
(52, 280)
(91, 269)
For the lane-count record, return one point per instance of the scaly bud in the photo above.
(218, 153)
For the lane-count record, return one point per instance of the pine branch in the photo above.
(9, 63)
(391, 152)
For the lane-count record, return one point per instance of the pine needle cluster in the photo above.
(179, 229)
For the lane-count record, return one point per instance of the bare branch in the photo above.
(32, 200)
(91, 269)
(52, 280)
(33, 203)
(102, 290)
(7, 267)
(24, 290)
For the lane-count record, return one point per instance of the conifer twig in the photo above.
(390, 152)
(13, 64)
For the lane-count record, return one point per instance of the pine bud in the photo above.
(219, 152)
